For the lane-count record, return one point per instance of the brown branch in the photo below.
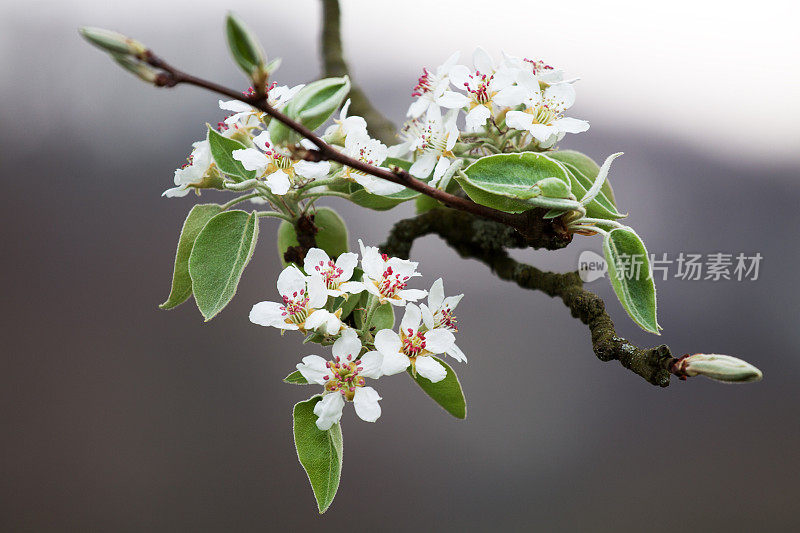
(334, 65)
(486, 242)
(529, 224)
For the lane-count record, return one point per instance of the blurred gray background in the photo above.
(117, 416)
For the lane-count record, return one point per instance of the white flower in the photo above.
(303, 298)
(543, 115)
(386, 277)
(334, 275)
(360, 146)
(343, 379)
(543, 72)
(413, 347)
(489, 88)
(433, 90)
(194, 172)
(432, 141)
(277, 97)
(276, 167)
(439, 314)
(344, 125)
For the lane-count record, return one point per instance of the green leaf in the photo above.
(508, 182)
(221, 251)
(446, 393)
(359, 196)
(320, 452)
(311, 106)
(636, 291)
(586, 166)
(332, 236)
(221, 149)
(601, 206)
(383, 317)
(181, 281)
(244, 46)
(296, 378)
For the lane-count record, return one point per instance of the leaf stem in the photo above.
(240, 199)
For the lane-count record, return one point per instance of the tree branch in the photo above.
(334, 65)
(486, 241)
(529, 224)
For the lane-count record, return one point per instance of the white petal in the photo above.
(329, 410)
(571, 125)
(333, 325)
(394, 363)
(423, 166)
(477, 117)
(427, 316)
(278, 182)
(262, 140)
(459, 75)
(387, 342)
(510, 96)
(317, 292)
(518, 120)
(456, 353)
(542, 132)
(452, 301)
(268, 314)
(482, 61)
(428, 367)
(411, 319)
(377, 185)
(445, 67)
(176, 192)
(371, 363)
(316, 319)
(562, 93)
(313, 170)
(452, 100)
(366, 404)
(399, 150)
(250, 158)
(439, 340)
(347, 345)
(315, 261)
(236, 106)
(436, 295)
(441, 167)
(313, 369)
(418, 107)
(347, 262)
(353, 287)
(291, 281)
(412, 295)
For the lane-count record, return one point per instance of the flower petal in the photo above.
(394, 363)
(268, 314)
(366, 404)
(428, 367)
(412, 295)
(250, 158)
(347, 344)
(313, 369)
(411, 318)
(329, 410)
(371, 363)
(291, 281)
(278, 182)
(388, 342)
(315, 261)
(439, 340)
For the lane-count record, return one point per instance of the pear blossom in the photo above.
(343, 379)
(334, 275)
(433, 90)
(277, 97)
(439, 314)
(199, 168)
(344, 125)
(276, 167)
(432, 141)
(413, 347)
(386, 277)
(543, 116)
(360, 146)
(303, 299)
(488, 87)
(544, 73)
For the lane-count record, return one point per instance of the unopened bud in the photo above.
(113, 42)
(553, 188)
(718, 367)
(141, 70)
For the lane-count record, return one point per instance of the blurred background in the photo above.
(117, 416)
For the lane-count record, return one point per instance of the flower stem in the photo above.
(372, 306)
(239, 200)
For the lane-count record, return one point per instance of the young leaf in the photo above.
(295, 378)
(181, 282)
(317, 101)
(586, 166)
(631, 277)
(446, 393)
(601, 206)
(221, 251)
(508, 182)
(332, 236)
(359, 196)
(221, 149)
(245, 48)
(319, 452)
(600, 179)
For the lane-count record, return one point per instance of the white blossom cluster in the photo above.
(516, 94)
(312, 301)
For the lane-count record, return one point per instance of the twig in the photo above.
(486, 242)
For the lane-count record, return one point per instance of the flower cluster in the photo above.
(324, 301)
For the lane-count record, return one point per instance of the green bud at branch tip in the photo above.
(113, 42)
(718, 367)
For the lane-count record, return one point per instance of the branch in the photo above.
(334, 65)
(486, 242)
(529, 224)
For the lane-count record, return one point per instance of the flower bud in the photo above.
(139, 69)
(553, 188)
(113, 42)
(718, 367)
